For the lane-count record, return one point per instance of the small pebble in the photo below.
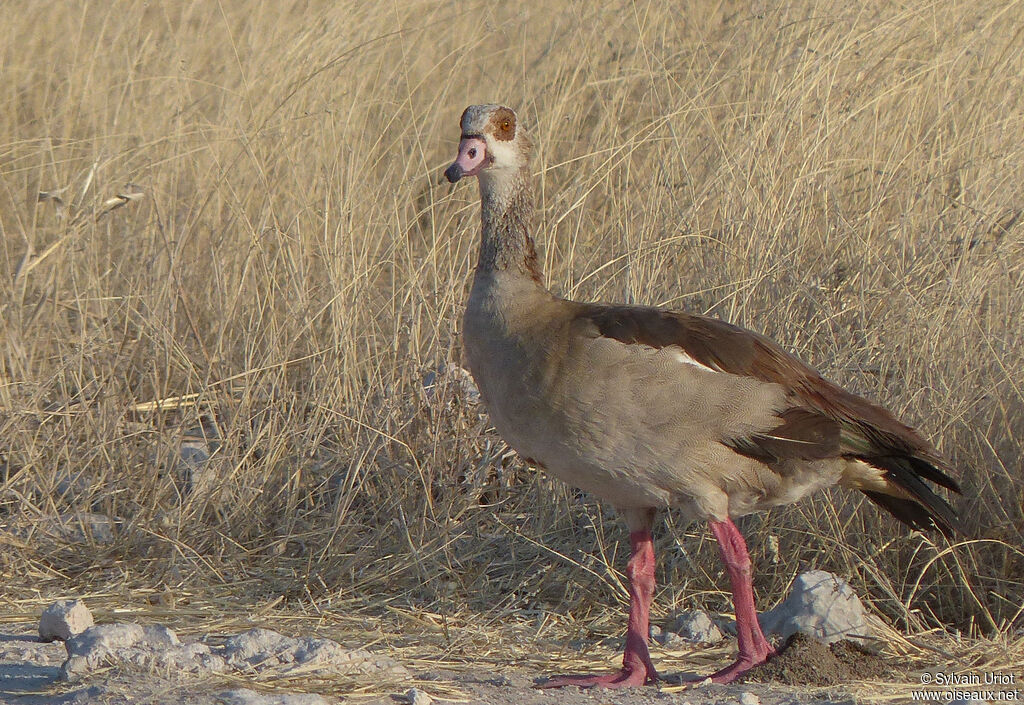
(415, 696)
(245, 696)
(692, 626)
(749, 699)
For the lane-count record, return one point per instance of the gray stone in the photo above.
(415, 696)
(85, 527)
(69, 527)
(189, 460)
(156, 648)
(726, 625)
(193, 454)
(691, 627)
(194, 658)
(748, 698)
(821, 605)
(151, 646)
(86, 651)
(70, 487)
(263, 649)
(454, 378)
(63, 620)
(244, 696)
(105, 637)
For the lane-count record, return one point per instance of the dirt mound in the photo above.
(803, 660)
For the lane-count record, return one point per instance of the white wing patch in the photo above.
(680, 355)
(858, 475)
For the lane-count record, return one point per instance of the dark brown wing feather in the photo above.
(802, 435)
(824, 421)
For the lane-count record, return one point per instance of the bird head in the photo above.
(492, 143)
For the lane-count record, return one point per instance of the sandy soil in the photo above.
(29, 676)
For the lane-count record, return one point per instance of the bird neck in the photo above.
(506, 201)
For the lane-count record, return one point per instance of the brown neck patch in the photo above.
(506, 243)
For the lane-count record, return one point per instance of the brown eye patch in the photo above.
(503, 124)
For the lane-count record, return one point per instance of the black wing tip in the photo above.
(935, 470)
(916, 503)
(942, 518)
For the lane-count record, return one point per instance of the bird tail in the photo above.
(907, 496)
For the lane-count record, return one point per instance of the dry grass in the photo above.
(226, 221)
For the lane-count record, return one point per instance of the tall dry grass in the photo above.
(225, 221)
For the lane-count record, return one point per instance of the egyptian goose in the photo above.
(648, 408)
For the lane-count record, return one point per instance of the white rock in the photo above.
(244, 696)
(821, 605)
(749, 698)
(63, 620)
(86, 651)
(157, 648)
(415, 696)
(119, 643)
(261, 649)
(105, 637)
(194, 658)
(692, 627)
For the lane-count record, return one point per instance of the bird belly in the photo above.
(601, 451)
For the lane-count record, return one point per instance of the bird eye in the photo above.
(507, 125)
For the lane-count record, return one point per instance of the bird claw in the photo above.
(734, 670)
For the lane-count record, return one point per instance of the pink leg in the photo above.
(637, 668)
(754, 649)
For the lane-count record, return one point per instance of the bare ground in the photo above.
(29, 675)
